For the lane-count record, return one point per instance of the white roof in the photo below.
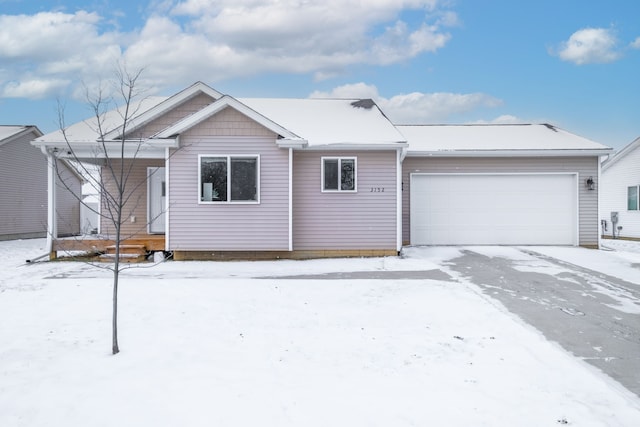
(87, 130)
(8, 132)
(523, 139)
(621, 154)
(329, 121)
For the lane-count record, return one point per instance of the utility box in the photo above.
(614, 218)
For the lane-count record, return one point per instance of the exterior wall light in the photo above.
(590, 183)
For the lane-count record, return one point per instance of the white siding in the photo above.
(613, 192)
(583, 166)
(229, 227)
(345, 220)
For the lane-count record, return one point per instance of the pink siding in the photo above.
(341, 221)
(585, 166)
(68, 196)
(171, 117)
(135, 191)
(229, 227)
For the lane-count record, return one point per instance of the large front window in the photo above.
(338, 174)
(229, 178)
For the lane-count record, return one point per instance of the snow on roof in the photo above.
(329, 121)
(87, 130)
(9, 131)
(460, 139)
(621, 154)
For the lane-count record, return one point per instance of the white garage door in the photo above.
(518, 209)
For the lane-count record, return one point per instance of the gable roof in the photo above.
(146, 116)
(219, 105)
(497, 140)
(307, 122)
(621, 154)
(9, 132)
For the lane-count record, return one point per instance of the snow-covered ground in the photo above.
(212, 344)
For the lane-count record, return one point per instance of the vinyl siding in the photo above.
(136, 192)
(68, 195)
(613, 191)
(234, 226)
(23, 189)
(344, 220)
(584, 166)
(174, 115)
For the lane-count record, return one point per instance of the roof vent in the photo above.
(364, 103)
(552, 127)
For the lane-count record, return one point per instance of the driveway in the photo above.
(592, 315)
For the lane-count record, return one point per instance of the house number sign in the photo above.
(377, 190)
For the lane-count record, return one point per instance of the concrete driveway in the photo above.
(593, 315)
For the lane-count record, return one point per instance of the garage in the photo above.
(494, 209)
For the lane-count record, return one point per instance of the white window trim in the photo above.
(339, 158)
(229, 201)
(637, 209)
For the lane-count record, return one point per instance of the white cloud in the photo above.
(505, 119)
(590, 46)
(212, 40)
(34, 88)
(416, 107)
(636, 43)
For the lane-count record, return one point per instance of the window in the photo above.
(632, 198)
(229, 178)
(339, 174)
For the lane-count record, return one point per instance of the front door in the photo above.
(156, 187)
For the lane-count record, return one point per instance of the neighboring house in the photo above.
(23, 188)
(218, 176)
(620, 193)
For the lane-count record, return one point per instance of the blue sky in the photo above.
(572, 63)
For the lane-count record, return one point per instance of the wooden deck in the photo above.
(96, 244)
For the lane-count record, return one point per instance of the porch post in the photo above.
(52, 226)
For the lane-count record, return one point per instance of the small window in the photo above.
(632, 198)
(339, 174)
(229, 179)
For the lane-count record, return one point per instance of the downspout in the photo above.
(167, 235)
(399, 157)
(598, 202)
(290, 199)
(52, 228)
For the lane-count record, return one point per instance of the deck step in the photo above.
(128, 253)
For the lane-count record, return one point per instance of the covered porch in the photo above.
(91, 246)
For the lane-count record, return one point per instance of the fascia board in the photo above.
(510, 153)
(23, 132)
(355, 146)
(621, 154)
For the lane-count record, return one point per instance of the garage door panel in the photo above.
(493, 209)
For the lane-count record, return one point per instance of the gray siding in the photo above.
(345, 221)
(229, 227)
(584, 166)
(23, 190)
(136, 194)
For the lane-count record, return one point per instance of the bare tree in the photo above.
(116, 160)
